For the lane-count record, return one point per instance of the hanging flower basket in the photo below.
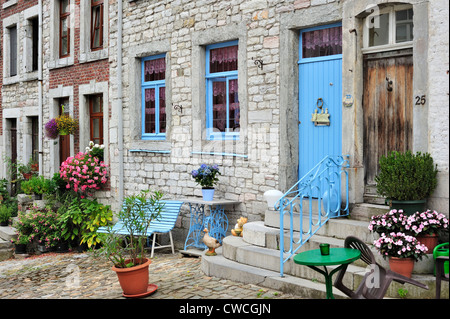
(61, 125)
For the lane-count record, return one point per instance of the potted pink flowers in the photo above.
(402, 250)
(83, 173)
(426, 226)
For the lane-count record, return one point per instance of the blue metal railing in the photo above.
(320, 189)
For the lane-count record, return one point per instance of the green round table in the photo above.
(338, 256)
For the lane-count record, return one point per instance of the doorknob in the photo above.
(389, 84)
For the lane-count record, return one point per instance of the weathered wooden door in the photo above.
(388, 107)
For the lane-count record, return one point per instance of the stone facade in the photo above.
(266, 154)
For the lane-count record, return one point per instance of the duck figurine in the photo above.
(211, 243)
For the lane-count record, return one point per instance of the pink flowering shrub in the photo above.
(424, 223)
(393, 221)
(83, 173)
(427, 223)
(400, 245)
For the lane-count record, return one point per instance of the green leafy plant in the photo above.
(406, 176)
(402, 292)
(97, 215)
(5, 214)
(38, 185)
(80, 219)
(136, 214)
(21, 239)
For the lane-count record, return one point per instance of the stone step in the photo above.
(374, 199)
(6, 250)
(365, 211)
(239, 253)
(221, 267)
(339, 227)
(7, 232)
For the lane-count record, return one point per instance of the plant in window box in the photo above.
(206, 176)
(406, 180)
(128, 257)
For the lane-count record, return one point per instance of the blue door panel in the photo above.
(319, 79)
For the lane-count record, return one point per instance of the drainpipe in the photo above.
(120, 97)
(40, 94)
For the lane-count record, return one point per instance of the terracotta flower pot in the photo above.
(134, 280)
(430, 241)
(402, 266)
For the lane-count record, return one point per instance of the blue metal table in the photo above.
(206, 214)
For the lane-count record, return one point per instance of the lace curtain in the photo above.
(322, 42)
(223, 59)
(155, 70)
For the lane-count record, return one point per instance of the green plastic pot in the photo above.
(409, 207)
(441, 250)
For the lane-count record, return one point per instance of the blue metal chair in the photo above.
(162, 225)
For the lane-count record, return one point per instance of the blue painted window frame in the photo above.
(321, 58)
(210, 78)
(151, 85)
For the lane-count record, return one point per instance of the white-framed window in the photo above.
(31, 41)
(222, 98)
(62, 33)
(94, 21)
(153, 87)
(388, 28)
(11, 49)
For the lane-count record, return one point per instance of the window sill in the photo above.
(9, 80)
(150, 146)
(30, 76)
(387, 47)
(60, 63)
(9, 3)
(92, 56)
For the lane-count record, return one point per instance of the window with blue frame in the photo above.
(154, 97)
(222, 99)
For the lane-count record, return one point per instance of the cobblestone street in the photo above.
(83, 276)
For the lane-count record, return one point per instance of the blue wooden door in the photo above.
(320, 91)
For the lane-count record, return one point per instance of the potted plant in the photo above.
(38, 185)
(129, 261)
(402, 250)
(406, 180)
(61, 125)
(84, 173)
(25, 170)
(206, 176)
(20, 243)
(5, 215)
(426, 227)
(392, 221)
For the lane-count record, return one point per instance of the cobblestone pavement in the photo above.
(84, 276)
